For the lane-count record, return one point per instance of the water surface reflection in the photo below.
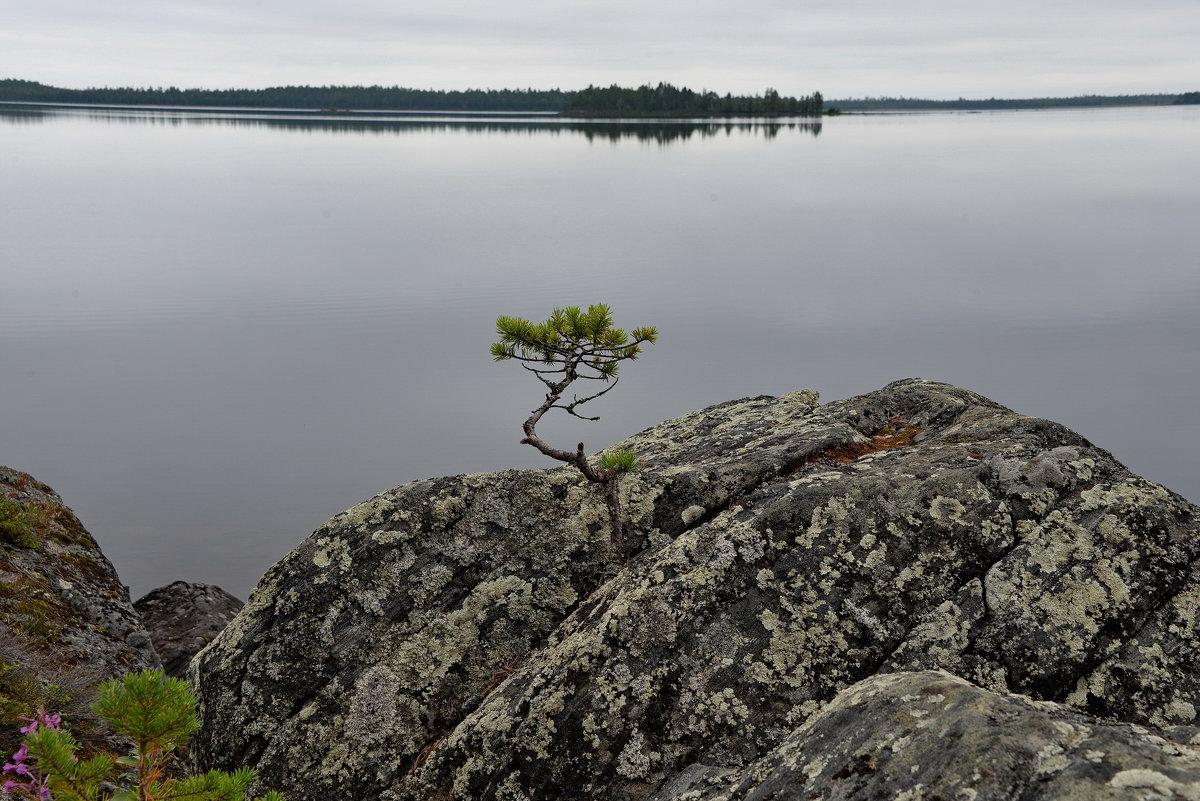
(657, 131)
(217, 333)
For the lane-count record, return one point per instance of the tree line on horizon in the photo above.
(646, 100)
(663, 99)
(296, 97)
(993, 103)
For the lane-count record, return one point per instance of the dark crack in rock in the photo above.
(477, 637)
(182, 618)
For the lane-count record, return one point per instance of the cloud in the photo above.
(942, 48)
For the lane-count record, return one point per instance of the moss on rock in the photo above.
(66, 623)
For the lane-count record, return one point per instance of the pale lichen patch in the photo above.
(1050, 759)
(1177, 711)
(390, 536)
(947, 510)
(1132, 492)
(636, 760)
(331, 552)
(1154, 785)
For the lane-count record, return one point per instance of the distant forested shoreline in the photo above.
(382, 98)
(1082, 101)
(661, 100)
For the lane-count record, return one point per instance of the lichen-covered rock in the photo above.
(66, 623)
(182, 618)
(478, 637)
(930, 735)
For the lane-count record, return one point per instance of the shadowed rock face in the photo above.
(182, 618)
(477, 637)
(66, 623)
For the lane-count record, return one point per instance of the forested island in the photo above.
(613, 101)
(666, 100)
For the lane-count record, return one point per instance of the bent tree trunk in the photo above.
(578, 458)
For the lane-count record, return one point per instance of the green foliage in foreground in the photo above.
(157, 714)
(22, 690)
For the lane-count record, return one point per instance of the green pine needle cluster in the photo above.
(621, 460)
(157, 714)
(571, 335)
(70, 778)
(149, 708)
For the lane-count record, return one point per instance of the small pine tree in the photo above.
(574, 345)
(157, 714)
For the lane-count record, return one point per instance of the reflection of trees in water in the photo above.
(655, 131)
(21, 116)
(666, 133)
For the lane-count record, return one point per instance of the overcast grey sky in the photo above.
(926, 48)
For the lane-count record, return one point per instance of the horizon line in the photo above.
(865, 97)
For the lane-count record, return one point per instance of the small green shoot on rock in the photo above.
(621, 460)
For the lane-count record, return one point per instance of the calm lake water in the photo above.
(218, 333)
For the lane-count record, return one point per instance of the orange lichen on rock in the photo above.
(896, 435)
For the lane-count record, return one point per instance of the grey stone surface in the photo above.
(182, 618)
(931, 735)
(478, 637)
(66, 623)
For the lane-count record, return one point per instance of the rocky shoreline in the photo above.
(915, 593)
